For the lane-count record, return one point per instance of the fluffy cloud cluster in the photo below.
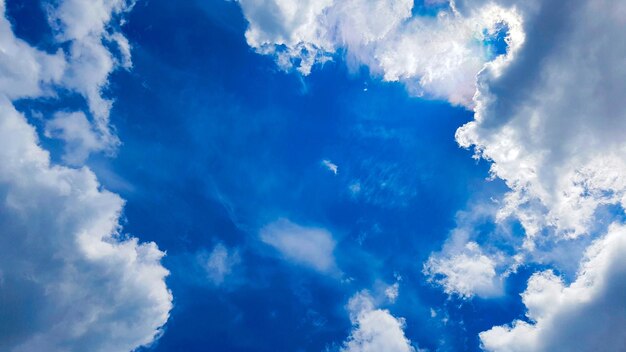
(70, 280)
(86, 27)
(437, 56)
(587, 315)
(551, 120)
(463, 267)
(374, 329)
(547, 116)
(89, 29)
(464, 271)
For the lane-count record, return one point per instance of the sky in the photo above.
(312, 175)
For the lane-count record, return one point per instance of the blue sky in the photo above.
(308, 176)
(248, 149)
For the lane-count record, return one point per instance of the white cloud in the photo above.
(587, 315)
(559, 168)
(464, 271)
(374, 329)
(392, 292)
(463, 267)
(69, 278)
(219, 263)
(551, 119)
(547, 116)
(330, 166)
(87, 27)
(77, 282)
(25, 71)
(293, 25)
(77, 133)
(435, 56)
(309, 246)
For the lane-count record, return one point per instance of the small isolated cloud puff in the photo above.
(374, 329)
(219, 263)
(466, 272)
(332, 167)
(70, 279)
(462, 267)
(309, 246)
(588, 315)
(392, 292)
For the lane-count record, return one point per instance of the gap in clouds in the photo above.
(30, 23)
(546, 206)
(223, 143)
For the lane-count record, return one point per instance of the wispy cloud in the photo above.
(219, 263)
(332, 167)
(309, 246)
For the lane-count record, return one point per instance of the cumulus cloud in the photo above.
(374, 329)
(464, 271)
(26, 71)
(89, 30)
(309, 246)
(435, 56)
(463, 267)
(551, 119)
(547, 115)
(70, 279)
(587, 315)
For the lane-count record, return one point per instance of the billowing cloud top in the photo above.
(70, 279)
(436, 56)
(374, 329)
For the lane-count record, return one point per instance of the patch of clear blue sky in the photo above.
(496, 43)
(217, 142)
(424, 8)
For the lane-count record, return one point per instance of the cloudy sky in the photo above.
(312, 175)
